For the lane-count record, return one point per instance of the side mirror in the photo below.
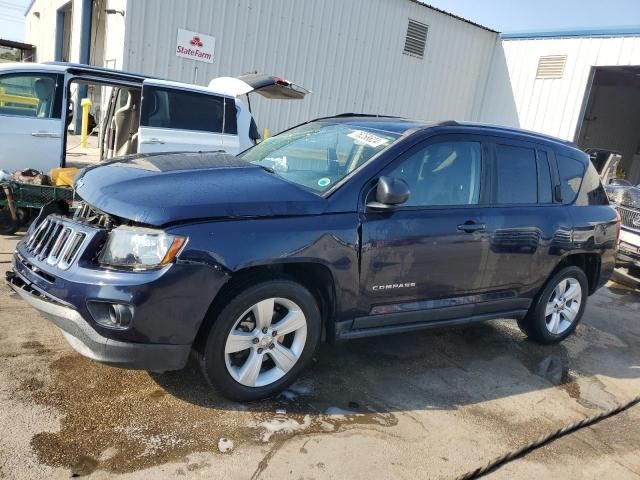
(389, 193)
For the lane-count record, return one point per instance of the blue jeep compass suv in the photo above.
(339, 228)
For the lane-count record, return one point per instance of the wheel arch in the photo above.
(313, 275)
(589, 263)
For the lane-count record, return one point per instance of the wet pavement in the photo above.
(431, 404)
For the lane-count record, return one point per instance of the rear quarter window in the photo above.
(592, 191)
(571, 172)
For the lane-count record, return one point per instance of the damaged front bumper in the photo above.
(628, 249)
(86, 341)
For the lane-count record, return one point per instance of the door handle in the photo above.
(45, 134)
(470, 227)
(153, 141)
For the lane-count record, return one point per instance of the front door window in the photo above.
(31, 95)
(441, 174)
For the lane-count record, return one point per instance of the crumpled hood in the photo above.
(156, 189)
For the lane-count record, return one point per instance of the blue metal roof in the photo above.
(630, 31)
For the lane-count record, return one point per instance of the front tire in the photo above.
(558, 308)
(261, 340)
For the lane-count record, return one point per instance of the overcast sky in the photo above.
(501, 15)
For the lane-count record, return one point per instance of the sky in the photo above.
(12, 19)
(501, 15)
(527, 15)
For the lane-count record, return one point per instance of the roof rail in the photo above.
(502, 128)
(363, 115)
(93, 68)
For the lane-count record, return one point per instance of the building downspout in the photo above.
(59, 52)
(85, 51)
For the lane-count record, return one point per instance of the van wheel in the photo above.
(261, 340)
(558, 307)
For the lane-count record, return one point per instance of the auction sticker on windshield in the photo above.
(368, 138)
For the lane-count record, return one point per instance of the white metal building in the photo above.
(582, 86)
(395, 57)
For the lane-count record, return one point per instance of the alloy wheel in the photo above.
(265, 342)
(563, 305)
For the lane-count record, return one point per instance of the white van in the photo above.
(142, 114)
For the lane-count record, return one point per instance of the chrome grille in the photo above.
(630, 217)
(56, 242)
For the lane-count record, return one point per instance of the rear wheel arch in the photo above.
(589, 263)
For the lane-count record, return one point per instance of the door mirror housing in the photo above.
(390, 192)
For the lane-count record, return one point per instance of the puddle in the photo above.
(121, 421)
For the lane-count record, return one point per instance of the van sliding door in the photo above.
(175, 118)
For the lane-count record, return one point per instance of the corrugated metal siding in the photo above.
(348, 52)
(553, 106)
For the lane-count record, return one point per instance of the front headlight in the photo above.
(140, 248)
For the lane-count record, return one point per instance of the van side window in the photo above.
(183, 110)
(570, 171)
(544, 178)
(446, 173)
(37, 95)
(516, 175)
(230, 117)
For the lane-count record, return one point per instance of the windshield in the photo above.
(319, 154)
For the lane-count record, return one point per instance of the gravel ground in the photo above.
(432, 404)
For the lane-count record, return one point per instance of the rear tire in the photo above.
(558, 308)
(261, 340)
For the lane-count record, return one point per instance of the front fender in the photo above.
(234, 245)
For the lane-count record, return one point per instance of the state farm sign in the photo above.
(196, 46)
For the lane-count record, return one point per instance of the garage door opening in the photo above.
(612, 117)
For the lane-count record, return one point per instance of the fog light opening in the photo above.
(119, 315)
(111, 315)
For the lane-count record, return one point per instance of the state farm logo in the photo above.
(195, 45)
(196, 42)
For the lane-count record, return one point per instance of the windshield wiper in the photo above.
(264, 167)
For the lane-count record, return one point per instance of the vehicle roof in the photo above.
(497, 129)
(378, 122)
(62, 67)
(78, 68)
(401, 125)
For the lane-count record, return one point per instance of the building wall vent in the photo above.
(416, 39)
(551, 66)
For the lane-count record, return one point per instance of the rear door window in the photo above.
(571, 171)
(515, 175)
(187, 110)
